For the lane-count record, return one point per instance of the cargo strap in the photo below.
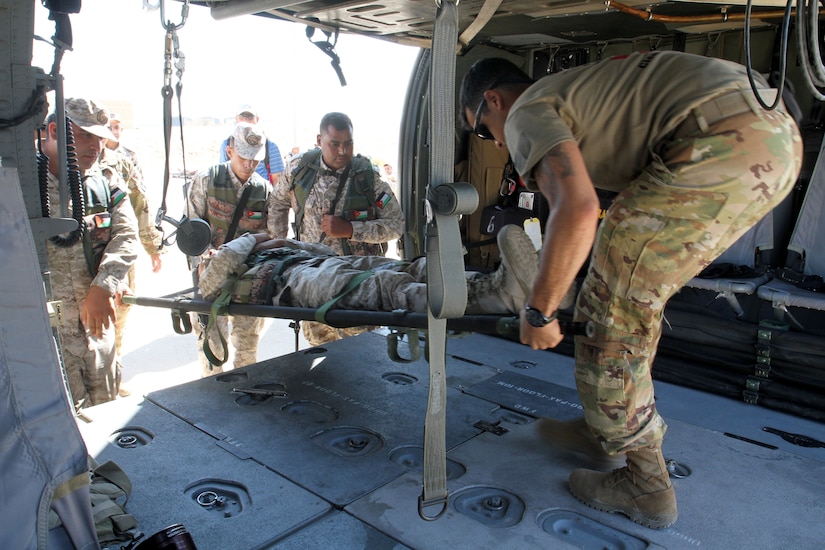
(487, 11)
(446, 293)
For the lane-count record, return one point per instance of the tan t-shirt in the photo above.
(617, 110)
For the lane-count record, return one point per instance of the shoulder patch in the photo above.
(118, 194)
(383, 200)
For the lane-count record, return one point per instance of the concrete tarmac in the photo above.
(153, 355)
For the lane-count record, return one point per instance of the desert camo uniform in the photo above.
(688, 188)
(245, 330)
(150, 236)
(387, 225)
(90, 362)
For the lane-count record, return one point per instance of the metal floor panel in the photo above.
(172, 464)
(348, 407)
(738, 496)
(509, 356)
(350, 429)
(712, 411)
(338, 530)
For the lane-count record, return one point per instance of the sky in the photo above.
(118, 53)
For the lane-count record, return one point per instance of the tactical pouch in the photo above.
(109, 491)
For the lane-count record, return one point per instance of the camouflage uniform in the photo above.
(245, 330)
(150, 236)
(90, 362)
(387, 225)
(131, 156)
(699, 187)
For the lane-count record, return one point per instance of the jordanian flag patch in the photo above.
(360, 214)
(383, 200)
(117, 195)
(253, 215)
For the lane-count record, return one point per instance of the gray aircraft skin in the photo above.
(325, 447)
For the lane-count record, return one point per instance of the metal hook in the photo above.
(168, 25)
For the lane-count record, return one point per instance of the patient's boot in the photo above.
(506, 289)
(223, 263)
(642, 490)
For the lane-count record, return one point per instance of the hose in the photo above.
(75, 190)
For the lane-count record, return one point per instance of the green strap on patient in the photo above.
(218, 307)
(225, 297)
(321, 312)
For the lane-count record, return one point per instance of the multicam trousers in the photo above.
(701, 192)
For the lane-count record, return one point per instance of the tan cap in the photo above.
(249, 141)
(89, 115)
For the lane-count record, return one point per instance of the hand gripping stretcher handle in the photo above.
(510, 325)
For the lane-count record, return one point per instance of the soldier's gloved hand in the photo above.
(97, 311)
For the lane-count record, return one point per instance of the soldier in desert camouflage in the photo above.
(89, 276)
(340, 201)
(214, 196)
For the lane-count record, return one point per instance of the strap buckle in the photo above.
(443, 500)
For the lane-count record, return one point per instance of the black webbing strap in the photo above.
(342, 181)
(236, 216)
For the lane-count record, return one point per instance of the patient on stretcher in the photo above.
(284, 272)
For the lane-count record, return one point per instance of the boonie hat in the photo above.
(89, 115)
(249, 141)
(246, 109)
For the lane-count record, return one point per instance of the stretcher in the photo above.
(185, 301)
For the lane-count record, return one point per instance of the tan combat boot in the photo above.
(642, 490)
(506, 289)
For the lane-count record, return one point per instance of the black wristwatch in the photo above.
(539, 319)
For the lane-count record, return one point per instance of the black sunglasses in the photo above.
(481, 130)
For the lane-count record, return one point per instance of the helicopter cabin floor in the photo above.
(323, 448)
